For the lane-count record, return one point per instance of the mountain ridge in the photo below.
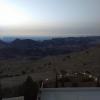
(28, 48)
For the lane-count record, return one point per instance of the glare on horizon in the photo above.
(49, 17)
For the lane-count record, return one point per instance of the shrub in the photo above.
(49, 63)
(23, 72)
(31, 89)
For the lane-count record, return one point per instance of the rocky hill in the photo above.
(14, 71)
(33, 50)
(87, 60)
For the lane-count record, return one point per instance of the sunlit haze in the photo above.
(49, 17)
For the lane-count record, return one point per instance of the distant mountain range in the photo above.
(12, 38)
(31, 49)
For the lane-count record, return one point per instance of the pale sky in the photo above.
(49, 17)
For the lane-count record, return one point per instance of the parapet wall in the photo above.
(70, 93)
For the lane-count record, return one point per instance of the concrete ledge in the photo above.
(71, 89)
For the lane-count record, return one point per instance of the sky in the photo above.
(49, 17)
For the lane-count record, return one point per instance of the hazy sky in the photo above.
(49, 17)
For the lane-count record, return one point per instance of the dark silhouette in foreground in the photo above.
(0, 92)
(30, 89)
